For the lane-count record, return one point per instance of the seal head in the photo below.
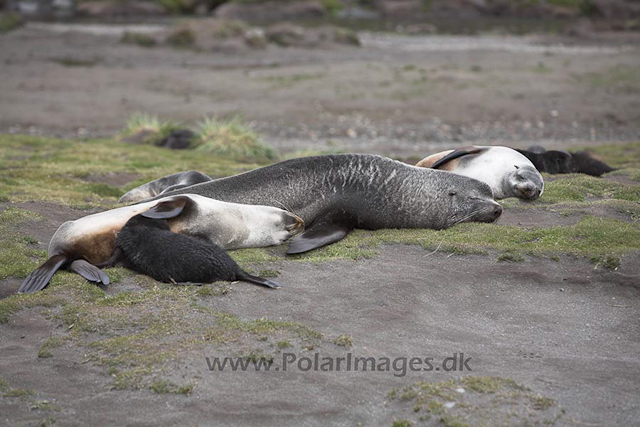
(507, 172)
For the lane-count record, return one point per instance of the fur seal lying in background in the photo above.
(558, 162)
(148, 246)
(167, 183)
(334, 194)
(81, 244)
(507, 172)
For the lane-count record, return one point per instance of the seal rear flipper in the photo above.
(456, 154)
(89, 271)
(39, 278)
(245, 277)
(169, 208)
(327, 229)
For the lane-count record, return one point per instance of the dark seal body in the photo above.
(561, 162)
(148, 246)
(351, 191)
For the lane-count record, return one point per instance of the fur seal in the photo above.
(167, 183)
(81, 244)
(560, 162)
(335, 193)
(148, 246)
(508, 173)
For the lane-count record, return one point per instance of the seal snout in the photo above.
(497, 211)
(529, 192)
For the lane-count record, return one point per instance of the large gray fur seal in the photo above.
(335, 193)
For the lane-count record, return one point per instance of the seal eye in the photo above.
(453, 192)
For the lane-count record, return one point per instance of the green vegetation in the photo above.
(62, 171)
(164, 387)
(145, 129)
(68, 61)
(475, 400)
(580, 188)
(7, 391)
(140, 39)
(620, 78)
(510, 257)
(181, 38)
(344, 341)
(232, 139)
(137, 335)
(9, 21)
(290, 80)
(17, 251)
(45, 349)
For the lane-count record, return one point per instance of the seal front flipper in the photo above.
(166, 209)
(39, 278)
(328, 228)
(89, 271)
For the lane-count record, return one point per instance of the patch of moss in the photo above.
(213, 290)
(589, 237)
(476, 400)
(610, 262)
(284, 344)
(54, 170)
(510, 257)
(269, 272)
(20, 393)
(139, 39)
(344, 341)
(181, 38)
(45, 350)
(161, 386)
(580, 187)
(44, 405)
(402, 423)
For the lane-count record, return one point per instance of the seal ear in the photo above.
(456, 154)
(167, 208)
(329, 228)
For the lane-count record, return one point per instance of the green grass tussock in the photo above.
(232, 139)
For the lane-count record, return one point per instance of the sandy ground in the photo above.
(564, 329)
(396, 95)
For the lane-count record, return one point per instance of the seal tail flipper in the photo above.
(456, 154)
(329, 228)
(39, 278)
(89, 271)
(169, 208)
(245, 277)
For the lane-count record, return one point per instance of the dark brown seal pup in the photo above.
(148, 246)
(561, 162)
